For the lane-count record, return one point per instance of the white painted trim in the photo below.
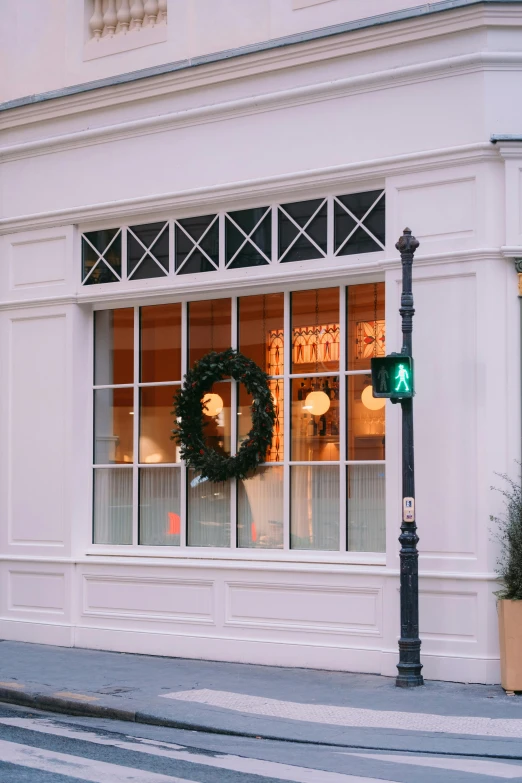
(511, 149)
(247, 63)
(359, 655)
(511, 252)
(242, 560)
(348, 175)
(183, 289)
(295, 96)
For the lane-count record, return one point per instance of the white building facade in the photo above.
(185, 178)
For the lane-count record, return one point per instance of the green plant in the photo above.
(509, 535)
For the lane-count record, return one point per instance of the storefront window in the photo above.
(321, 487)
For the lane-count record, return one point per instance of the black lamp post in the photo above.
(409, 665)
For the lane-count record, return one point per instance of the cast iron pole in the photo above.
(409, 665)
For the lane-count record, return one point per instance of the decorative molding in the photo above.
(244, 282)
(123, 27)
(258, 104)
(367, 629)
(518, 267)
(509, 149)
(243, 192)
(398, 28)
(152, 615)
(511, 251)
(245, 562)
(29, 304)
(34, 608)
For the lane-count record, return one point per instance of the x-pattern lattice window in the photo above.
(303, 230)
(148, 251)
(197, 245)
(310, 230)
(359, 223)
(101, 256)
(248, 238)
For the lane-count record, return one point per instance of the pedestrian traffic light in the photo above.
(392, 376)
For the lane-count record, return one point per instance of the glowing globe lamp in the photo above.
(371, 402)
(212, 405)
(317, 402)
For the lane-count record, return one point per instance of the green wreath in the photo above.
(188, 410)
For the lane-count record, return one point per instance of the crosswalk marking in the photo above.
(352, 716)
(270, 769)
(77, 766)
(495, 769)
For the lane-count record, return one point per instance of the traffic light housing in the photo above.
(392, 376)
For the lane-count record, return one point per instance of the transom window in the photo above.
(259, 236)
(322, 484)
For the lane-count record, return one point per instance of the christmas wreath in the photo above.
(189, 407)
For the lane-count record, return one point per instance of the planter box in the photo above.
(510, 628)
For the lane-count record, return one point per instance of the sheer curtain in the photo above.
(366, 510)
(208, 513)
(260, 510)
(315, 507)
(160, 507)
(113, 506)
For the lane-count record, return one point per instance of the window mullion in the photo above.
(330, 227)
(124, 273)
(136, 429)
(287, 408)
(233, 425)
(221, 244)
(172, 257)
(275, 234)
(343, 350)
(183, 466)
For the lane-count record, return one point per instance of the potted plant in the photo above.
(509, 569)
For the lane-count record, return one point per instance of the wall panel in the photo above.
(36, 591)
(309, 607)
(148, 598)
(36, 461)
(445, 416)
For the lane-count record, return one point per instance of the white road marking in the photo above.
(269, 769)
(78, 767)
(495, 769)
(352, 716)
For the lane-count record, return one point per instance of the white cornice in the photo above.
(510, 149)
(444, 68)
(245, 63)
(512, 251)
(221, 196)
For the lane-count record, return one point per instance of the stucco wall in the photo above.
(279, 128)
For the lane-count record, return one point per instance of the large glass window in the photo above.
(321, 486)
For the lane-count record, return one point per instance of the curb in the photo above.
(41, 701)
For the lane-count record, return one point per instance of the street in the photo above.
(50, 748)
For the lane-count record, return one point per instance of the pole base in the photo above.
(409, 680)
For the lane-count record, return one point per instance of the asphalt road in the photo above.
(39, 747)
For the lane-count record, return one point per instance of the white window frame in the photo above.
(183, 550)
(276, 277)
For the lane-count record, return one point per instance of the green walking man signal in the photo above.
(392, 376)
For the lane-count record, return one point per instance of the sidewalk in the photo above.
(295, 705)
